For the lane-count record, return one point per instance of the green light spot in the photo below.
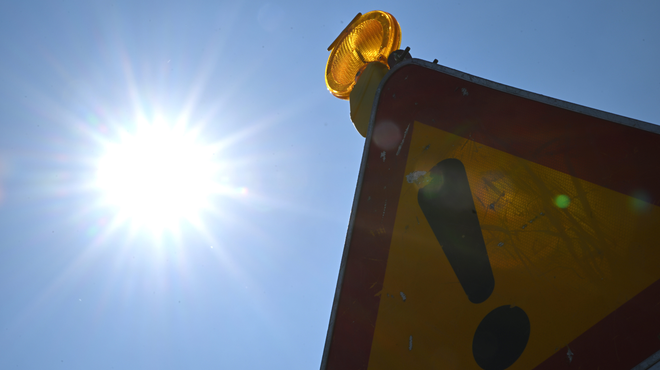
(640, 202)
(562, 201)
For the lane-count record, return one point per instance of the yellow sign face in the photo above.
(564, 251)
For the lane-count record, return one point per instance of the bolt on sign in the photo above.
(494, 228)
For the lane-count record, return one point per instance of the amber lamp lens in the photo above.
(368, 38)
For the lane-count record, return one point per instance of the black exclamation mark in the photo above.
(448, 207)
(447, 204)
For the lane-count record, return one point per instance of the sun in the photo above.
(157, 176)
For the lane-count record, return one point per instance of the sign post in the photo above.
(494, 228)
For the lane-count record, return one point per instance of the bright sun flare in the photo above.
(157, 176)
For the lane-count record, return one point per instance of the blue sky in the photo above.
(249, 282)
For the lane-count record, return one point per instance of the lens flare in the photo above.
(562, 201)
(640, 202)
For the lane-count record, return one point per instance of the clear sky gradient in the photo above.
(249, 282)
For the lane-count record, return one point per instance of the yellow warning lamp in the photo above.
(367, 38)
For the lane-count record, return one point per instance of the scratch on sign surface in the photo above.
(402, 140)
(414, 177)
(384, 208)
(464, 91)
(569, 354)
(410, 344)
(403, 296)
(382, 155)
